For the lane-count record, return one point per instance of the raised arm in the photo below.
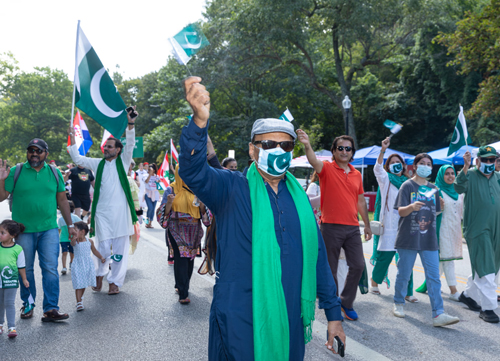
(311, 157)
(462, 180)
(130, 136)
(4, 173)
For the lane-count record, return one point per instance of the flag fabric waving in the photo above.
(96, 93)
(163, 173)
(105, 137)
(393, 126)
(187, 42)
(460, 135)
(286, 116)
(174, 160)
(82, 136)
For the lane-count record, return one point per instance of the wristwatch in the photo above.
(71, 226)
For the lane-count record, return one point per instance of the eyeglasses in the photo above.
(488, 160)
(341, 148)
(35, 150)
(287, 145)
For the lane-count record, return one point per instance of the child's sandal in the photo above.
(79, 306)
(12, 333)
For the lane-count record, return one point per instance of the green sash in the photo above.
(97, 190)
(271, 332)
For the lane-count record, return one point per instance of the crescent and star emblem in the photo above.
(6, 268)
(95, 94)
(458, 136)
(276, 166)
(190, 45)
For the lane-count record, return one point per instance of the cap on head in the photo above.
(146, 163)
(272, 125)
(39, 143)
(486, 151)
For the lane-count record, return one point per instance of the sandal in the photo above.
(98, 284)
(79, 306)
(113, 289)
(12, 333)
(185, 301)
(375, 291)
(411, 299)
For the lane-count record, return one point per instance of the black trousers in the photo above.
(183, 269)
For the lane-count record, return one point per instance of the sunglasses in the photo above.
(341, 148)
(35, 150)
(287, 145)
(488, 160)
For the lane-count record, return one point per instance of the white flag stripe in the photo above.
(105, 137)
(396, 128)
(288, 115)
(173, 150)
(178, 52)
(461, 118)
(83, 48)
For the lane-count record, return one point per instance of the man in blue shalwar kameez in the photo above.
(234, 200)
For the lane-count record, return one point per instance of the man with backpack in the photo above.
(36, 190)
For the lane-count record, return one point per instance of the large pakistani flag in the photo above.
(460, 135)
(96, 93)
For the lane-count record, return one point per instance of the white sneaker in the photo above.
(64, 270)
(455, 296)
(444, 320)
(398, 310)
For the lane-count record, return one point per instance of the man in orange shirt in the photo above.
(342, 197)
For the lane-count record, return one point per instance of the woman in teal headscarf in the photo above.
(449, 229)
(389, 177)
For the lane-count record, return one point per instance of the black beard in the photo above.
(108, 155)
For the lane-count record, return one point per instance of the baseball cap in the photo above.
(39, 143)
(271, 125)
(486, 151)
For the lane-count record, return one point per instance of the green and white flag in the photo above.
(393, 126)
(187, 42)
(460, 135)
(96, 94)
(286, 116)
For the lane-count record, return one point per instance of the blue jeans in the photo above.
(430, 261)
(151, 208)
(47, 245)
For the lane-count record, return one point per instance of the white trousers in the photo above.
(448, 268)
(483, 291)
(120, 247)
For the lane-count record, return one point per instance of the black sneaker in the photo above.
(469, 302)
(489, 316)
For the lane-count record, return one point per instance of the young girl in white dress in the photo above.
(82, 268)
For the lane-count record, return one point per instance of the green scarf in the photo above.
(271, 332)
(397, 181)
(97, 190)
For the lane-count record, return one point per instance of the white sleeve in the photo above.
(61, 222)
(380, 174)
(86, 162)
(21, 261)
(312, 190)
(129, 148)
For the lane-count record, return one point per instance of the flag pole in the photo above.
(76, 69)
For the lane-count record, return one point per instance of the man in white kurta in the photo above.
(113, 221)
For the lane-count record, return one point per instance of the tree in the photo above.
(37, 105)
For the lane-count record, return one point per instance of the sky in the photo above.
(132, 34)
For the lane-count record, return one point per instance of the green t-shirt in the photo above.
(11, 259)
(34, 202)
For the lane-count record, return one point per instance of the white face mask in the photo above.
(274, 161)
(424, 171)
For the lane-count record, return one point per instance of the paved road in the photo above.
(145, 321)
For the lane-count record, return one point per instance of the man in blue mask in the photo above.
(267, 238)
(481, 186)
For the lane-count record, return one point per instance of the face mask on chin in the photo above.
(487, 169)
(274, 162)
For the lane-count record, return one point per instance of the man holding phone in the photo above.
(113, 212)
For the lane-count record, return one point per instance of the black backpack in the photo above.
(17, 173)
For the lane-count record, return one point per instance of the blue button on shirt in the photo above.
(227, 195)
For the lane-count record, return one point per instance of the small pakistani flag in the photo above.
(95, 92)
(188, 42)
(393, 126)
(427, 192)
(116, 257)
(286, 115)
(460, 135)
